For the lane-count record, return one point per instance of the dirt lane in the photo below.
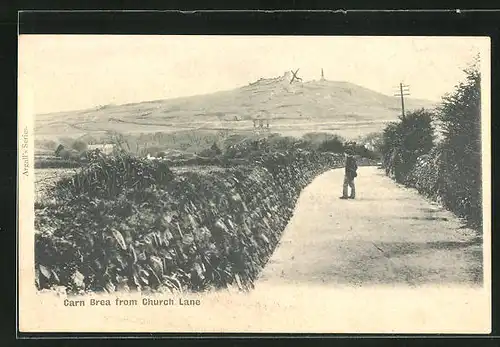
(389, 235)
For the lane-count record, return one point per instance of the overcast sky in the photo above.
(71, 72)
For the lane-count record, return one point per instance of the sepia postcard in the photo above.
(254, 184)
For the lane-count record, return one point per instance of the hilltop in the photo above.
(292, 108)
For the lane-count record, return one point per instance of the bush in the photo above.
(279, 143)
(364, 152)
(211, 152)
(334, 145)
(107, 176)
(317, 138)
(391, 142)
(427, 176)
(152, 150)
(460, 115)
(79, 146)
(404, 142)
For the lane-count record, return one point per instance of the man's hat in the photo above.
(349, 148)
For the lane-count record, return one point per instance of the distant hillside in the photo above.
(291, 107)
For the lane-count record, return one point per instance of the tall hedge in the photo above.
(449, 171)
(460, 115)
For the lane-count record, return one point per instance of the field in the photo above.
(350, 129)
(46, 178)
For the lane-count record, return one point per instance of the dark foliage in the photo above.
(79, 146)
(334, 145)
(460, 115)
(129, 223)
(405, 141)
(451, 171)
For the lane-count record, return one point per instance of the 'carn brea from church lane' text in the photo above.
(131, 302)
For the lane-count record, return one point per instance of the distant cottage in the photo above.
(105, 148)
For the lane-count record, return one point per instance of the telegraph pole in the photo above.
(403, 91)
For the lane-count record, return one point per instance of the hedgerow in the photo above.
(129, 223)
(449, 171)
(56, 163)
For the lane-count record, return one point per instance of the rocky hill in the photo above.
(296, 107)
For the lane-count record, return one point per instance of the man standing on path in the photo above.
(350, 173)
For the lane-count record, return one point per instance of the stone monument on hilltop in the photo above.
(287, 76)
